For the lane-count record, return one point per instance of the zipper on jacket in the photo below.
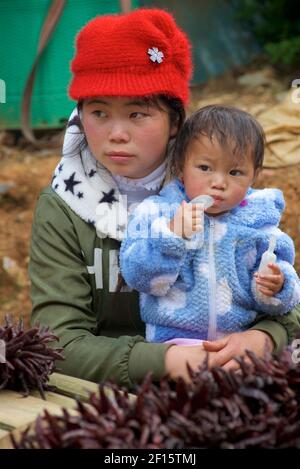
(212, 322)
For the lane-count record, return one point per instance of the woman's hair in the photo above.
(231, 127)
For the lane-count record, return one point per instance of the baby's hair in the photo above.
(230, 126)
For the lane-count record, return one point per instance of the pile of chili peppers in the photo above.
(259, 407)
(28, 359)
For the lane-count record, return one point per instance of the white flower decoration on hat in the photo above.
(156, 55)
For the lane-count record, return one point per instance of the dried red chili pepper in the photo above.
(29, 359)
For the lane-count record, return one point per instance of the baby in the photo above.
(196, 265)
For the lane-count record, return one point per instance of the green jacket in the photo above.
(73, 279)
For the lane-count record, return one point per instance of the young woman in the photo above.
(130, 80)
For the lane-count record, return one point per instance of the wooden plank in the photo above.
(5, 442)
(58, 399)
(77, 388)
(3, 433)
(16, 410)
(72, 387)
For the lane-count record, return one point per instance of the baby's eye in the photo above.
(204, 167)
(236, 172)
(99, 113)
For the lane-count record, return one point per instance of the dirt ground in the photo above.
(31, 170)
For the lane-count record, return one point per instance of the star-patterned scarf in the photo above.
(88, 187)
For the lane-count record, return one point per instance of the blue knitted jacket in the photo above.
(204, 287)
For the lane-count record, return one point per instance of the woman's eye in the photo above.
(99, 113)
(204, 167)
(137, 115)
(235, 172)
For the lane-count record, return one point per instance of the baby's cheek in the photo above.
(238, 194)
(195, 187)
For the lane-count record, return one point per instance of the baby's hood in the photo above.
(261, 207)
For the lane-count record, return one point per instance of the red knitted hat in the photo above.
(137, 54)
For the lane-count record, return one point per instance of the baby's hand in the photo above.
(187, 220)
(270, 284)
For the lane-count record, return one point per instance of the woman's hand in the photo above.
(220, 352)
(236, 344)
(177, 357)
